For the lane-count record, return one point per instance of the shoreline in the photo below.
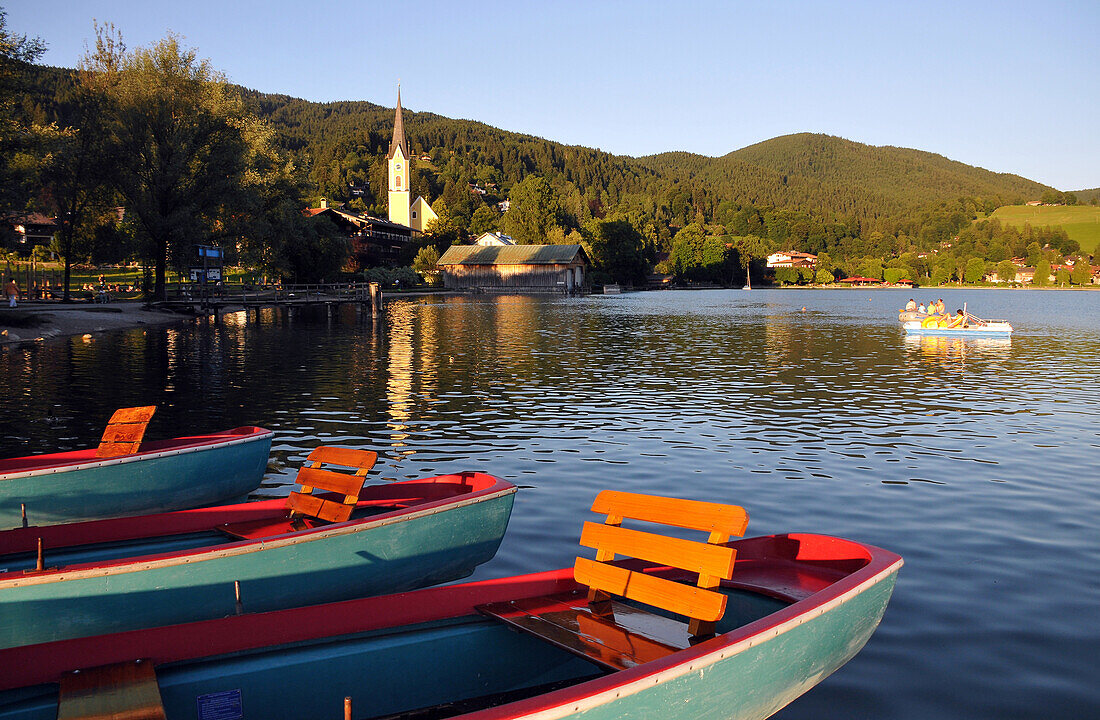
(38, 322)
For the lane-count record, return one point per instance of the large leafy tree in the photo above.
(82, 167)
(179, 136)
(23, 144)
(750, 248)
(618, 249)
(1006, 271)
(534, 211)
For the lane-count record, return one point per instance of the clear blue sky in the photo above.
(1008, 86)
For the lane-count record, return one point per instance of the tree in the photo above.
(20, 141)
(1082, 273)
(485, 219)
(749, 248)
(618, 249)
(686, 255)
(426, 260)
(787, 276)
(1063, 277)
(975, 270)
(1006, 271)
(871, 268)
(534, 211)
(1034, 254)
(80, 171)
(178, 134)
(824, 277)
(1042, 274)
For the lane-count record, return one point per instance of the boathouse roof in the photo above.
(512, 255)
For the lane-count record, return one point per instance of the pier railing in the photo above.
(256, 293)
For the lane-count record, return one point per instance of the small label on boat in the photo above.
(221, 706)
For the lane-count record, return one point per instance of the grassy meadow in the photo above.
(1081, 222)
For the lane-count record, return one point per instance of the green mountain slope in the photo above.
(847, 175)
(829, 179)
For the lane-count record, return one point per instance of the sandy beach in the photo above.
(33, 322)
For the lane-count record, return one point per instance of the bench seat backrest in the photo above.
(710, 560)
(312, 476)
(125, 431)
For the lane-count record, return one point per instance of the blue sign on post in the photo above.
(211, 252)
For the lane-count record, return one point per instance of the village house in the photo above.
(29, 229)
(792, 259)
(494, 238)
(515, 268)
(374, 241)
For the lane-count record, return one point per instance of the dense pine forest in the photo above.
(864, 209)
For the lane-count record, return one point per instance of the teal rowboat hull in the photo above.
(799, 607)
(115, 575)
(166, 475)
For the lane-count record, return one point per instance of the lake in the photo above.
(976, 460)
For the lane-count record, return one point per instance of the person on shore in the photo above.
(11, 290)
(911, 305)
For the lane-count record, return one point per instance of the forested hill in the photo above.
(812, 191)
(913, 176)
(831, 172)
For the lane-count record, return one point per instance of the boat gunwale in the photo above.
(180, 446)
(498, 488)
(45, 662)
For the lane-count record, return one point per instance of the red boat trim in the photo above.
(200, 442)
(184, 557)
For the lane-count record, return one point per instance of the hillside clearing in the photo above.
(1081, 222)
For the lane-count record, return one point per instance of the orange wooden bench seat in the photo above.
(615, 635)
(309, 510)
(125, 431)
(126, 690)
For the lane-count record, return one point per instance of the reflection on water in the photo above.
(974, 458)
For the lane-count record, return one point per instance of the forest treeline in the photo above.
(863, 207)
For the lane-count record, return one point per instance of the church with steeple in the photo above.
(417, 214)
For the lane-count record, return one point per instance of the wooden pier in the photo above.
(233, 297)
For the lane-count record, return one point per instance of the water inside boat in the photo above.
(432, 670)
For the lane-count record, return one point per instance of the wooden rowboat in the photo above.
(126, 476)
(791, 610)
(105, 576)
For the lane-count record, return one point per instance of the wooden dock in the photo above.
(230, 297)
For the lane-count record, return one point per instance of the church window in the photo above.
(397, 181)
(398, 167)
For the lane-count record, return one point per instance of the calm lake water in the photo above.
(978, 461)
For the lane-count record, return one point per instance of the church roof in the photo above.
(398, 131)
(511, 255)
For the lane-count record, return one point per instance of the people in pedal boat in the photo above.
(958, 321)
(911, 305)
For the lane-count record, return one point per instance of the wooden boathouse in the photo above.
(515, 268)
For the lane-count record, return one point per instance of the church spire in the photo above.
(399, 130)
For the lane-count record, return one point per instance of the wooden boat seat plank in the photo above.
(615, 635)
(125, 691)
(633, 637)
(125, 431)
